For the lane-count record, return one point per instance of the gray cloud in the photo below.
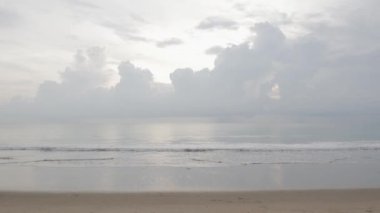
(8, 18)
(214, 50)
(83, 4)
(137, 38)
(356, 28)
(126, 32)
(169, 42)
(216, 22)
(138, 18)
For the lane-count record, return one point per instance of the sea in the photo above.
(207, 150)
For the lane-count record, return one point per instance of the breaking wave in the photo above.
(257, 147)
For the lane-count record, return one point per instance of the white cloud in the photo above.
(83, 77)
(317, 72)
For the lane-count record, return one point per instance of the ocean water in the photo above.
(190, 143)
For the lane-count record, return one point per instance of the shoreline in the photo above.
(166, 179)
(185, 192)
(344, 200)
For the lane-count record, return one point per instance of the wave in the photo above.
(56, 160)
(318, 146)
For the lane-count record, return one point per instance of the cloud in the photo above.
(134, 82)
(355, 27)
(8, 18)
(271, 73)
(216, 22)
(83, 4)
(86, 74)
(126, 32)
(169, 42)
(138, 18)
(214, 50)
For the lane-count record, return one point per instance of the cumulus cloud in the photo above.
(270, 74)
(217, 22)
(135, 83)
(169, 42)
(80, 83)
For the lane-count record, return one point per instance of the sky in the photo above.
(188, 57)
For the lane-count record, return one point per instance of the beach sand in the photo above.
(339, 201)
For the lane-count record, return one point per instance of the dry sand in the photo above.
(339, 201)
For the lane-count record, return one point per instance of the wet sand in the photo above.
(333, 201)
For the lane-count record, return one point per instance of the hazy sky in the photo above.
(189, 56)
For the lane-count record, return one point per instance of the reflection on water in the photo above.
(190, 154)
(191, 142)
(124, 132)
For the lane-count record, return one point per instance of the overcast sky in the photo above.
(188, 57)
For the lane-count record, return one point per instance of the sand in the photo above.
(339, 201)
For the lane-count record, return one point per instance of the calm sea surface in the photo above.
(261, 153)
(190, 142)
